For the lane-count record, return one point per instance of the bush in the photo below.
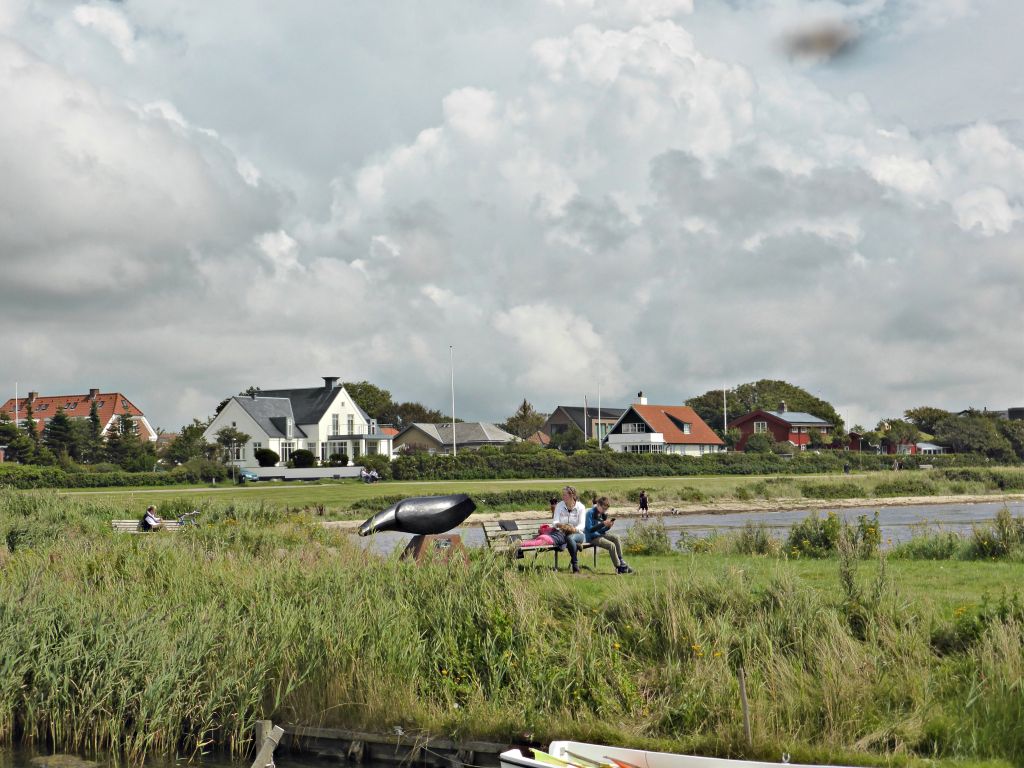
(303, 459)
(199, 471)
(941, 545)
(814, 536)
(266, 457)
(337, 460)
(840, 490)
(380, 463)
(647, 538)
(1004, 537)
(907, 485)
(755, 539)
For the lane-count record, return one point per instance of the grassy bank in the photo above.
(178, 642)
(348, 499)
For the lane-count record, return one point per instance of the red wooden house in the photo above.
(783, 425)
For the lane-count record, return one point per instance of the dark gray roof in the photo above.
(798, 417)
(271, 413)
(576, 413)
(310, 403)
(466, 432)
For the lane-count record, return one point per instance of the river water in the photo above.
(898, 523)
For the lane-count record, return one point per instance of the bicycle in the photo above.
(188, 519)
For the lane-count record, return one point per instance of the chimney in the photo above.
(640, 399)
(32, 396)
(93, 394)
(782, 406)
(330, 382)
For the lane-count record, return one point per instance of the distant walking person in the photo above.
(642, 507)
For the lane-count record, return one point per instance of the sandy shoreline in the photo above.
(729, 506)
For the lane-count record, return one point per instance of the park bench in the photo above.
(135, 526)
(504, 536)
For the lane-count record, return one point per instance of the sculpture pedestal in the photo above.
(444, 546)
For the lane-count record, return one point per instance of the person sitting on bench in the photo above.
(150, 521)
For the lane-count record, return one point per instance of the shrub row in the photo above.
(493, 463)
(24, 477)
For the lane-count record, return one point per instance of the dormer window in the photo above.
(686, 427)
(289, 428)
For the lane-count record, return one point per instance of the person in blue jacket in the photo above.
(597, 533)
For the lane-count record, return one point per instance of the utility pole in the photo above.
(451, 358)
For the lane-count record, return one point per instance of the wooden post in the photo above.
(746, 708)
(271, 738)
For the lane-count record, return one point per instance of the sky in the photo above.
(575, 195)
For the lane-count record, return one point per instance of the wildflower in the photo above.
(444, 671)
(716, 654)
(616, 646)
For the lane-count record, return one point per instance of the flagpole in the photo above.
(600, 441)
(451, 359)
(725, 413)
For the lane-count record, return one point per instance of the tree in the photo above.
(230, 439)
(759, 442)
(58, 435)
(371, 398)
(765, 394)
(973, 434)
(189, 444)
(926, 418)
(1013, 431)
(126, 449)
(226, 400)
(525, 421)
(19, 447)
(404, 414)
(30, 425)
(90, 436)
(569, 441)
(898, 431)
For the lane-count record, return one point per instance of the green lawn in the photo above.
(337, 496)
(927, 586)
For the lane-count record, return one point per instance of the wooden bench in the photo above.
(135, 526)
(507, 541)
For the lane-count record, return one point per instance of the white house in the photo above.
(644, 428)
(324, 420)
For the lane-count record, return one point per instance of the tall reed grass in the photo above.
(177, 643)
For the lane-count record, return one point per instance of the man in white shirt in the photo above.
(571, 512)
(150, 521)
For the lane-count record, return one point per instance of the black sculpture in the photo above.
(423, 515)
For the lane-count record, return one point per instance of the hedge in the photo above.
(496, 464)
(28, 476)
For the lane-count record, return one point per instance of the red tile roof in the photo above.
(539, 437)
(110, 404)
(389, 431)
(664, 418)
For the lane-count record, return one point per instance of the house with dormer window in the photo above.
(783, 425)
(644, 428)
(323, 420)
(110, 406)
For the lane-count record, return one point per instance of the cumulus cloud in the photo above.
(601, 198)
(111, 24)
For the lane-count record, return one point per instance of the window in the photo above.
(371, 449)
(311, 447)
(760, 426)
(238, 452)
(42, 407)
(634, 428)
(335, 423)
(257, 446)
(686, 427)
(351, 425)
(645, 448)
(286, 450)
(355, 449)
(289, 427)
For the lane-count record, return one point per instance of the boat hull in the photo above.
(582, 755)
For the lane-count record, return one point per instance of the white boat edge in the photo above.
(514, 758)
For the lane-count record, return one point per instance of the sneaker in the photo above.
(575, 569)
(624, 569)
